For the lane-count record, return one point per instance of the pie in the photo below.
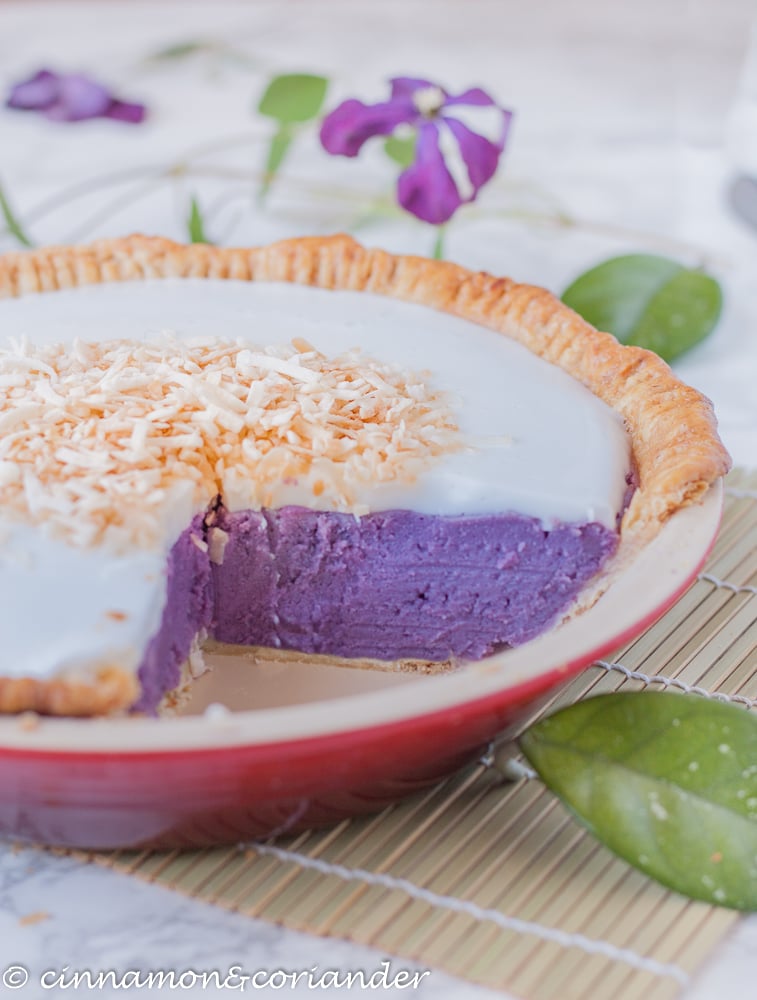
(310, 447)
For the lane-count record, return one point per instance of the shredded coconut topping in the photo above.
(102, 441)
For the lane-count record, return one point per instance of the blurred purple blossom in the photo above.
(459, 140)
(71, 97)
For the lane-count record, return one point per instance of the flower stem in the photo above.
(12, 223)
(438, 251)
(277, 152)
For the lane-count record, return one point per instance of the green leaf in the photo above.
(195, 224)
(181, 50)
(294, 98)
(277, 151)
(668, 782)
(402, 151)
(649, 301)
(12, 224)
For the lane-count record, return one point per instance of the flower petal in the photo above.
(403, 87)
(79, 98)
(126, 111)
(479, 155)
(39, 91)
(426, 189)
(475, 96)
(488, 121)
(71, 97)
(348, 126)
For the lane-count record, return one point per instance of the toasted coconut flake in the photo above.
(96, 437)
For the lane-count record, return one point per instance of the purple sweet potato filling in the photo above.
(397, 584)
(388, 586)
(188, 610)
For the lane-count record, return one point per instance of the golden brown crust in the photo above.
(673, 431)
(110, 690)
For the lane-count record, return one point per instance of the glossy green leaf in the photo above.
(12, 224)
(668, 782)
(195, 224)
(400, 150)
(649, 301)
(294, 98)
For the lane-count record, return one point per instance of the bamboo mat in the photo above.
(490, 879)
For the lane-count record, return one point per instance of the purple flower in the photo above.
(459, 141)
(71, 97)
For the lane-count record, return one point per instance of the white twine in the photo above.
(552, 934)
(675, 682)
(726, 585)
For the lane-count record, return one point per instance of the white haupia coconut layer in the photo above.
(537, 443)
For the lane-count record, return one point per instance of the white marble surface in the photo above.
(85, 917)
(630, 119)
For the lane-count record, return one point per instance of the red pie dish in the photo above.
(407, 525)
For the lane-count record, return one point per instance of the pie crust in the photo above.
(676, 450)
